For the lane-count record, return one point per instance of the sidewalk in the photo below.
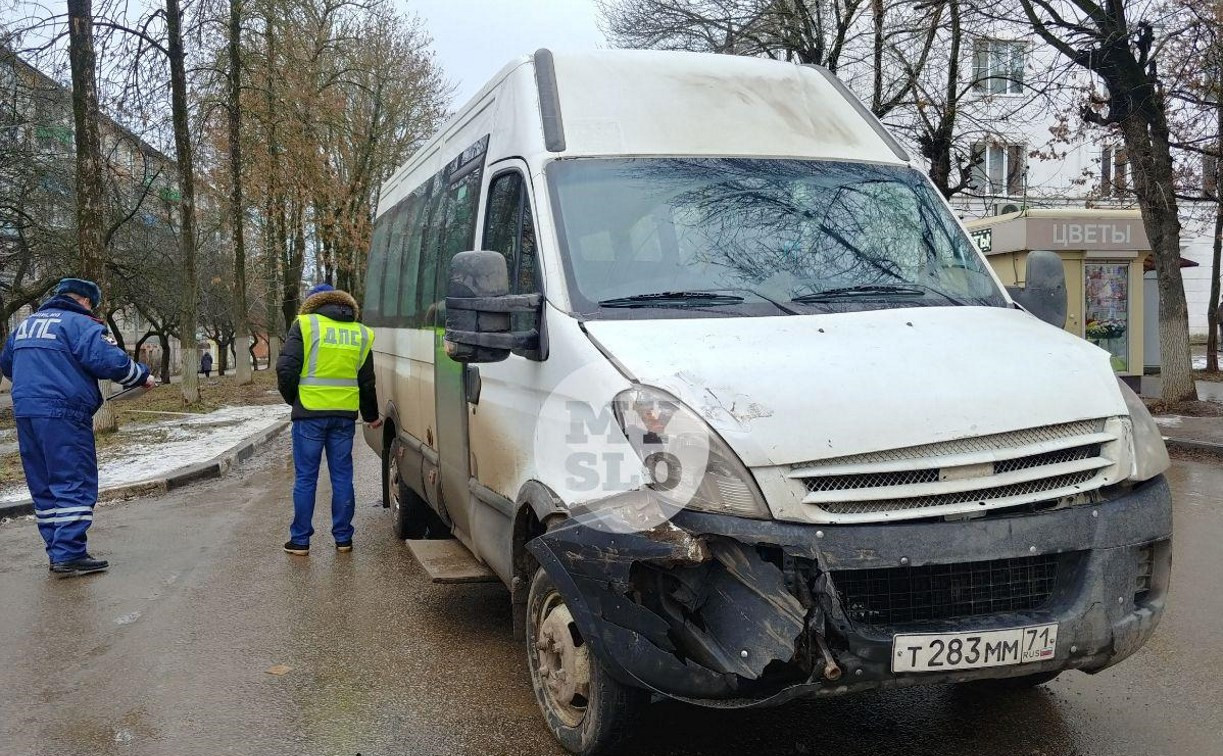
(1194, 433)
(161, 443)
(167, 454)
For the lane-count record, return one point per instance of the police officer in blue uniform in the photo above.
(55, 359)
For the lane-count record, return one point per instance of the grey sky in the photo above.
(475, 38)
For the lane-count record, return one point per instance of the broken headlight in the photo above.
(684, 460)
(1150, 455)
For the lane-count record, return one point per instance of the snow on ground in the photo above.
(150, 450)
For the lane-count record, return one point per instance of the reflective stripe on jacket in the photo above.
(333, 353)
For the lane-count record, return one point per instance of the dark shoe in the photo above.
(343, 545)
(81, 566)
(297, 548)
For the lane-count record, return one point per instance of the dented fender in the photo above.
(672, 612)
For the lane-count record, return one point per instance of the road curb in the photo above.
(216, 467)
(1195, 446)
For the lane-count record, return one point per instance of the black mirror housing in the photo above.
(478, 309)
(1044, 291)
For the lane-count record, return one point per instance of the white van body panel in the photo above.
(513, 440)
(788, 390)
(640, 102)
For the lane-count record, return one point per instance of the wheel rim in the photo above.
(393, 483)
(561, 661)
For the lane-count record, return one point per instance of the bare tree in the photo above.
(90, 212)
(1192, 65)
(186, 180)
(1102, 38)
(237, 210)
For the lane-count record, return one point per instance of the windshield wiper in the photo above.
(672, 299)
(865, 290)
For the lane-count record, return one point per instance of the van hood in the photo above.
(789, 389)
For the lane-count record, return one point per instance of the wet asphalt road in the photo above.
(168, 652)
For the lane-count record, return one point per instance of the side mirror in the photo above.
(478, 309)
(1044, 291)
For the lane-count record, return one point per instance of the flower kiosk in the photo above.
(1103, 252)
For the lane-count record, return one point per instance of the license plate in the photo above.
(944, 652)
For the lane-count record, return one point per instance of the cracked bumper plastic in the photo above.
(721, 611)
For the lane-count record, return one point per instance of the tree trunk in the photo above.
(115, 333)
(140, 343)
(274, 209)
(293, 267)
(90, 214)
(163, 339)
(90, 193)
(236, 211)
(1145, 133)
(186, 179)
(938, 138)
(1212, 307)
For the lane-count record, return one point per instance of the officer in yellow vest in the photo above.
(326, 371)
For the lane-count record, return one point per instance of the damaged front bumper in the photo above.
(726, 611)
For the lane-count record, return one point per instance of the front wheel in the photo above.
(587, 710)
(409, 512)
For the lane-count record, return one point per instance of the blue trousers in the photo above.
(61, 470)
(311, 437)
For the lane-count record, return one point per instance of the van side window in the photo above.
(423, 232)
(372, 309)
(509, 228)
(525, 278)
(427, 278)
(501, 217)
(392, 308)
(411, 260)
(461, 207)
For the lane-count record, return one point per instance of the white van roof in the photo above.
(657, 103)
(639, 102)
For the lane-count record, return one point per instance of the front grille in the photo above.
(977, 496)
(1052, 458)
(1045, 465)
(901, 595)
(1043, 434)
(871, 480)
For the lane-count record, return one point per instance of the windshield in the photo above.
(759, 236)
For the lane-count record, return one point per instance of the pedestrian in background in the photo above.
(55, 359)
(206, 364)
(326, 372)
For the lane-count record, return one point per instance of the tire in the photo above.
(587, 710)
(1011, 684)
(409, 512)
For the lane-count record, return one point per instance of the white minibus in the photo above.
(688, 352)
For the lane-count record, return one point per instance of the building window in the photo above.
(997, 66)
(1114, 172)
(998, 169)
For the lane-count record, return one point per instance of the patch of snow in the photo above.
(151, 450)
(1172, 421)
